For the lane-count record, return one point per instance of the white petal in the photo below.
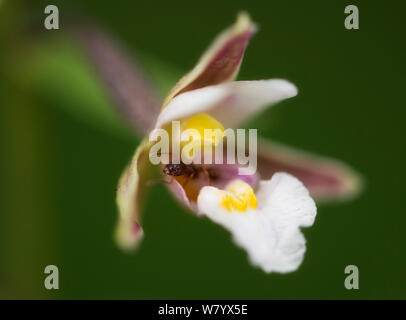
(270, 234)
(192, 102)
(230, 103)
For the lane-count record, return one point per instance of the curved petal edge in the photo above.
(128, 232)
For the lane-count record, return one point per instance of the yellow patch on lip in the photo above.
(196, 125)
(238, 196)
(203, 121)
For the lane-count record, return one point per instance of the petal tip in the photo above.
(287, 88)
(128, 235)
(244, 22)
(353, 183)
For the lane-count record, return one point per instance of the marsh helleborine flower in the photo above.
(264, 211)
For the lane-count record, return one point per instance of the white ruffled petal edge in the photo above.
(270, 234)
(231, 103)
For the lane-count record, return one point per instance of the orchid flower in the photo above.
(263, 211)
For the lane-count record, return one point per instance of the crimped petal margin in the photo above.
(270, 234)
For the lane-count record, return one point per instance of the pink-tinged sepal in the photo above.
(221, 62)
(326, 179)
(128, 87)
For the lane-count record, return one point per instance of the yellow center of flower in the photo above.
(238, 196)
(199, 123)
(203, 121)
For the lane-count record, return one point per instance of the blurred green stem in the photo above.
(27, 228)
(26, 216)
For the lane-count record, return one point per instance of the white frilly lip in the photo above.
(270, 234)
(231, 103)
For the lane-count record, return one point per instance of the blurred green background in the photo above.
(62, 151)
